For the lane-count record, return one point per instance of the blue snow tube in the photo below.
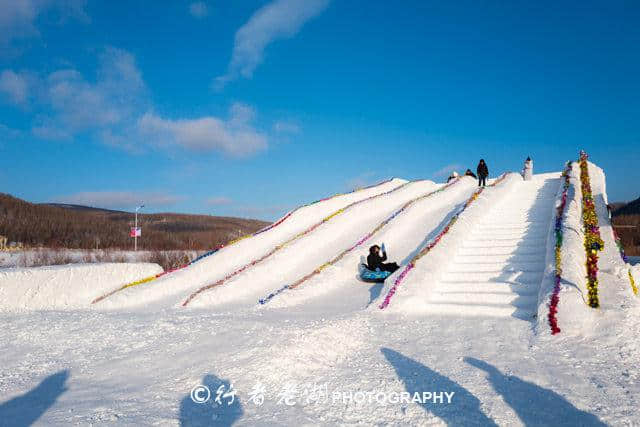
(376, 276)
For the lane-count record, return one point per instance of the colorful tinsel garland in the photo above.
(555, 295)
(634, 288)
(432, 244)
(592, 241)
(217, 248)
(319, 269)
(286, 243)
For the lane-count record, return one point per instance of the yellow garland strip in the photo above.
(633, 283)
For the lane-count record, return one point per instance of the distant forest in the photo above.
(79, 227)
(626, 221)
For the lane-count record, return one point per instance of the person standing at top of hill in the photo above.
(527, 171)
(483, 173)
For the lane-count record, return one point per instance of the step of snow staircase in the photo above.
(497, 272)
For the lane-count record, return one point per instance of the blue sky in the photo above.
(251, 108)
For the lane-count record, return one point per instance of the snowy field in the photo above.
(464, 340)
(47, 256)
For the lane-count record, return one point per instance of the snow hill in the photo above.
(65, 287)
(284, 313)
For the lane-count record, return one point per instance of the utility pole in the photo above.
(135, 234)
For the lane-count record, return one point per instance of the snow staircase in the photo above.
(498, 270)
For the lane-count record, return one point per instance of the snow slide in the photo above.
(307, 253)
(65, 286)
(492, 261)
(249, 253)
(403, 235)
(240, 251)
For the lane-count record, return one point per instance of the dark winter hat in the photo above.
(373, 248)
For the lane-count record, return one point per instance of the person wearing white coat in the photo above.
(527, 171)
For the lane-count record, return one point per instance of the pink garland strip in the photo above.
(432, 244)
(555, 295)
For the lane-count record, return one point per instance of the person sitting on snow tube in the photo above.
(375, 261)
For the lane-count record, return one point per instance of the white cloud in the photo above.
(51, 132)
(234, 136)
(115, 109)
(105, 106)
(446, 170)
(120, 199)
(286, 126)
(218, 201)
(280, 19)
(9, 133)
(15, 86)
(198, 9)
(17, 17)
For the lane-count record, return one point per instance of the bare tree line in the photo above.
(36, 225)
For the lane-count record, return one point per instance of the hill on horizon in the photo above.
(626, 221)
(85, 227)
(627, 208)
(81, 207)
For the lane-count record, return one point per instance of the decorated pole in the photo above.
(136, 232)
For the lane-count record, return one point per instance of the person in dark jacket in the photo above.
(469, 173)
(375, 261)
(483, 173)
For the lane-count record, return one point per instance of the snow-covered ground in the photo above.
(63, 287)
(48, 256)
(463, 322)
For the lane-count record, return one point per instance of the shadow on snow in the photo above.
(26, 409)
(417, 378)
(535, 405)
(211, 413)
